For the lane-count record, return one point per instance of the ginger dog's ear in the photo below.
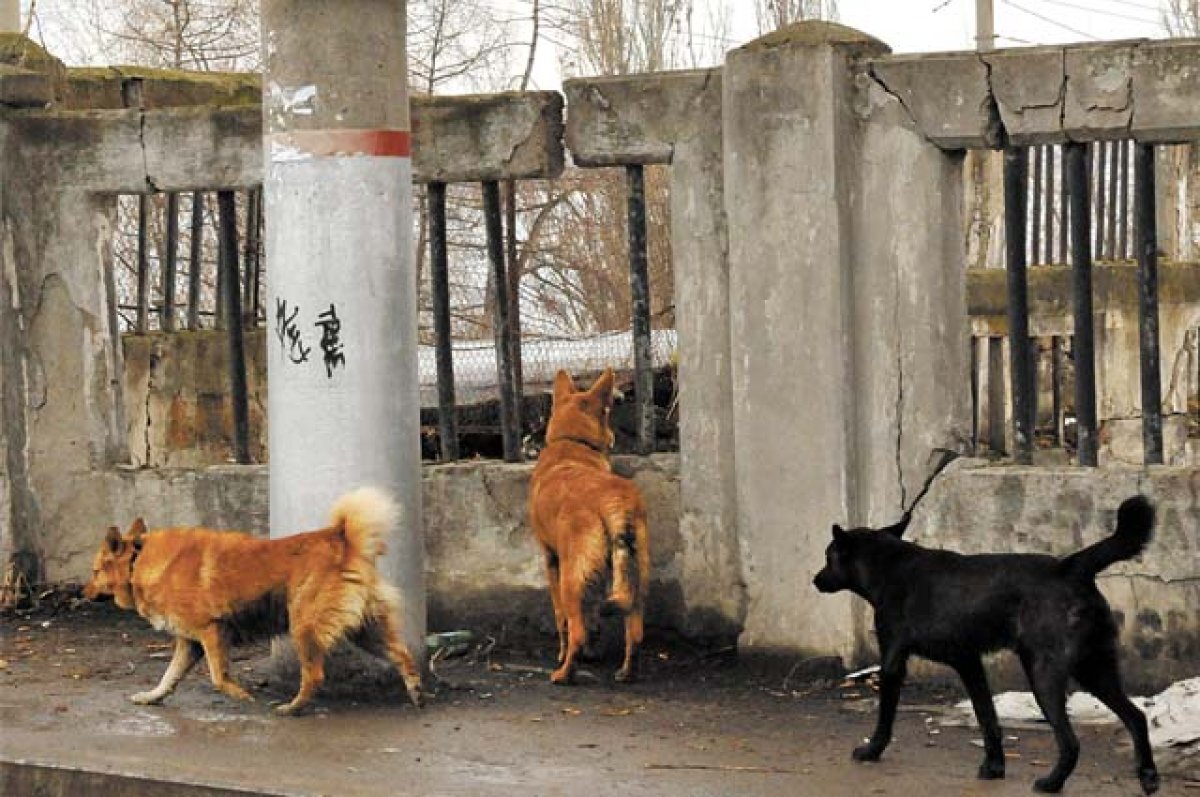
(563, 386)
(112, 539)
(136, 531)
(603, 387)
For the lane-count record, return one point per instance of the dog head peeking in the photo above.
(582, 415)
(113, 565)
(843, 554)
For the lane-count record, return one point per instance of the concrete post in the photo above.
(847, 317)
(341, 304)
(10, 16)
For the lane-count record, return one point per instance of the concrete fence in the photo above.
(817, 198)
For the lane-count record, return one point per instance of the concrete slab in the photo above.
(695, 726)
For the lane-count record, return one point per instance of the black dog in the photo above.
(953, 608)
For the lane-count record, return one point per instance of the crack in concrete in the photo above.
(879, 81)
(995, 134)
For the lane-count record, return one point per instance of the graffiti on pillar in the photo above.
(288, 332)
(331, 343)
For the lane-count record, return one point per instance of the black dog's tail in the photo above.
(1135, 522)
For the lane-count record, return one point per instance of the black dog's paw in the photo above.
(991, 770)
(1048, 785)
(867, 752)
(1149, 780)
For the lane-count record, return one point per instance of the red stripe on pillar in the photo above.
(333, 143)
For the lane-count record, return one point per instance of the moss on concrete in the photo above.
(100, 87)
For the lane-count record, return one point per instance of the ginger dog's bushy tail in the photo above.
(366, 516)
(626, 575)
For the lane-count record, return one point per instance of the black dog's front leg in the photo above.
(891, 678)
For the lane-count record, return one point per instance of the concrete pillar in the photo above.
(847, 312)
(711, 573)
(343, 406)
(10, 16)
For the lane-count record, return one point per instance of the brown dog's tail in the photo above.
(624, 540)
(366, 516)
(1135, 522)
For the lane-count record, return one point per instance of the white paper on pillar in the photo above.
(343, 402)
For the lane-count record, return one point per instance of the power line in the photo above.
(940, 6)
(1106, 12)
(1143, 6)
(1054, 22)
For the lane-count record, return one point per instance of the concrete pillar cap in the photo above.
(813, 33)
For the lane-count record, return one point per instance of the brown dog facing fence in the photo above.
(214, 588)
(590, 523)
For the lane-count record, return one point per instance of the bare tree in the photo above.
(1181, 18)
(775, 14)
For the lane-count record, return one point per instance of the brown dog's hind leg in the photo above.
(553, 577)
(213, 640)
(187, 653)
(572, 603)
(399, 654)
(311, 654)
(634, 631)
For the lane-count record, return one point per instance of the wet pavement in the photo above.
(698, 724)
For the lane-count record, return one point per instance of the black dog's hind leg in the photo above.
(1100, 675)
(891, 678)
(1049, 682)
(975, 680)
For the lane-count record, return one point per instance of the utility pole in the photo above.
(985, 25)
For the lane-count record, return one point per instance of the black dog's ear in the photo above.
(838, 533)
(897, 529)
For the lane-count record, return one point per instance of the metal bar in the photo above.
(1064, 209)
(975, 379)
(1035, 215)
(170, 265)
(510, 413)
(1016, 172)
(1146, 234)
(1110, 230)
(1083, 345)
(1048, 225)
(250, 257)
(143, 266)
(256, 285)
(223, 271)
(1056, 380)
(195, 253)
(1122, 215)
(995, 392)
(639, 283)
(1101, 154)
(227, 212)
(514, 287)
(439, 278)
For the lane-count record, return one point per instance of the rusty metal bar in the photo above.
(514, 287)
(170, 265)
(250, 258)
(510, 412)
(195, 263)
(1083, 345)
(1016, 174)
(227, 214)
(639, 283)
(439, 279)
(995, 393)
(1035, 215)
(142, 322)
(1101, 156)
(1146, 235)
